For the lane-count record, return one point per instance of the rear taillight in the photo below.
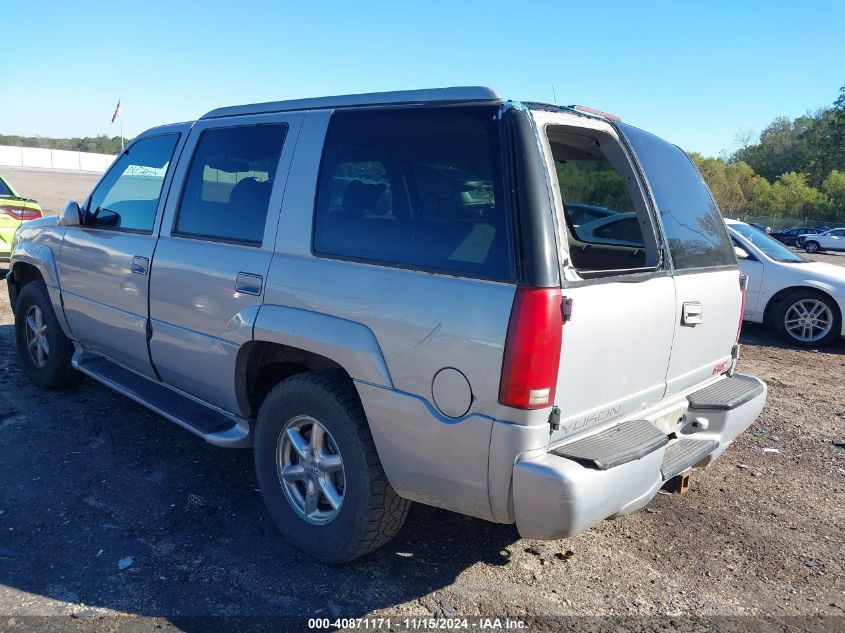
(743, 284)
(19, 213)
(532, 349)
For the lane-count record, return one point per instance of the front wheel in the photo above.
(808, 319)
(811, 247)
(43, 349)
(319, 472)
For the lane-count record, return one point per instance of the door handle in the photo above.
(692, 313)
(140, 265)
(249, 283)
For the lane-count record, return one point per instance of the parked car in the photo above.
(616, 229)
(237, 276)
(832, 240)
(14, 210)
(801, 300)
(791, 236)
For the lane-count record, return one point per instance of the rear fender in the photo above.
(351, 345)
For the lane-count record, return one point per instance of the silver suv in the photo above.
(521, 312)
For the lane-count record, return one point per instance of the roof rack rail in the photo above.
(458, 93)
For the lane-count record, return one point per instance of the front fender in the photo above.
(41, 257)
(352, 345)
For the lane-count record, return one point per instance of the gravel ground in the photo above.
(90, 479)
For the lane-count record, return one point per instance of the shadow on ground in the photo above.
(756, 334)
(90, 479)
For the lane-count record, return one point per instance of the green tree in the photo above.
(834, 188)
(794, 196)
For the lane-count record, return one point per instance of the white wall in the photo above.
(54, 159)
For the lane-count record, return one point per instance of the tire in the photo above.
(811, 247)
(794, 306)
(47, 366)
(370, 512)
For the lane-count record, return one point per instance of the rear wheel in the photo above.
(811, 247)
(319, 472)
(808, 319)
(43, 349)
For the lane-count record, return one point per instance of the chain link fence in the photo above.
(780, 222)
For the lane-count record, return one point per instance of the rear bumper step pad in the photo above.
(683, 454)
(617, 445)
(726, 394)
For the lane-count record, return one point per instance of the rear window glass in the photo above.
(4, 189)
(415, 188)
(692, 223)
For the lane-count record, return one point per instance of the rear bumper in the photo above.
(555, 497)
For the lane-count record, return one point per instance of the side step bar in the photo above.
(617, 445)
(213, 425)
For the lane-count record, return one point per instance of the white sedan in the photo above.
(802, 300)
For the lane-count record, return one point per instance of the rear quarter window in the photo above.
(417, 188)
(692, 223)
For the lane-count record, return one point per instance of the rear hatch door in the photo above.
(705, 272)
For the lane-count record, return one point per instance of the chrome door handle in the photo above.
(140, 265)
(249, 283)
(692, 313)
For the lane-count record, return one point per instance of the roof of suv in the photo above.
(457, 93)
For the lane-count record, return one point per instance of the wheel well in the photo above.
(26, 273)
(782, 294)
(262, 365)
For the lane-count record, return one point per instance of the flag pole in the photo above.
(121, 131)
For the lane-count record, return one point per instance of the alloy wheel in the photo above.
(808, 320)
(310, 470)
(36, 337)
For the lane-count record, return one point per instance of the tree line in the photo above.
(97, 144)
(796, 169)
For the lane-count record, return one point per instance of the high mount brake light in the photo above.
(532, 349)
(606, 115)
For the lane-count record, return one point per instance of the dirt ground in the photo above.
(50, 187)
(89, 479)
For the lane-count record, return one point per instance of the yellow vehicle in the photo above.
(14, 211)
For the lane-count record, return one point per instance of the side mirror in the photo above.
(71, 214)
(740, 252)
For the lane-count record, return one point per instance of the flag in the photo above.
(116, 112)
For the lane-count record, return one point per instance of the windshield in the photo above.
(771, 247)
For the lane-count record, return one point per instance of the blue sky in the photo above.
(697, 73)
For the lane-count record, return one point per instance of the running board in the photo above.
(617, 445)
(213, 425)
(726, 394)
(681, 455)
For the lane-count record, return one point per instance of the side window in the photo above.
(127, 197)
(226, 194)
(415, 188)
(608, 225)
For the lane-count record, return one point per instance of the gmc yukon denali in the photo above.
(522, 312)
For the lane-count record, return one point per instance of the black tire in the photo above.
(56, 372)
(812, 246)
(779, 313)
(371, 512)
